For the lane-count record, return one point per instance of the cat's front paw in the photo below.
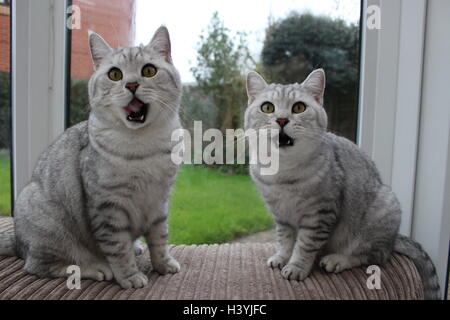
(277, 261)
(139, 247)
(294, 272)
(167, 265)
(137, 280)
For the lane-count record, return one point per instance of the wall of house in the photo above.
(113, 20)
(4, 37)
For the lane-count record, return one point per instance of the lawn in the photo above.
(5, 187)
(212, 207)
(206, 206)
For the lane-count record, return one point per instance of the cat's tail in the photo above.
(7, 244)
(423, 263)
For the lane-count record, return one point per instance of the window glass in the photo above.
(114, 21)
(214, 45)
(5, 109)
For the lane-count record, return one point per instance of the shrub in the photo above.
(79, 101)
(300, 43)
(5, 111)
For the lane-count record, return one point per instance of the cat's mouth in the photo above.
(284, 140)
(136, 111)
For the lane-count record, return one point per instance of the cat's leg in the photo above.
(366, 249)
(313, 233)
(286, 239)
(373, 239)
(53, 269)
(335, 262)
(369, 253)
(99, 271)
(157, 238)
(113, 234)
(47, 268)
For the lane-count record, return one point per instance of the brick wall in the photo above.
(4, 38)
(112, 19)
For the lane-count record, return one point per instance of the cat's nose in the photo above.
(132, 86)
(282, 122)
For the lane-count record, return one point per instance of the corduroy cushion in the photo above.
(236, 271)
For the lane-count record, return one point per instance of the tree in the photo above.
(221, 62)
(300, 43)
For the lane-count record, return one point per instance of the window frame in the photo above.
(399, 109)
(45, 31)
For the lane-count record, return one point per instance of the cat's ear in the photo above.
(255, 85)
(160, 43)
(315, 84)
(99, 48)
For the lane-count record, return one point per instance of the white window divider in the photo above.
(38, 81)
(431, 219)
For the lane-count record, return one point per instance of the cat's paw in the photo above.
(167, 265)
(277, 261)
(137, 280)
(335, 263)
(139, 247)
(98, 272)
(294, 272)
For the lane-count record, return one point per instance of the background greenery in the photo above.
(212, 207)
(5, 111)
(298, 44)
(5, 184)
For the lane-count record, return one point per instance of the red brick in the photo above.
(113, 20)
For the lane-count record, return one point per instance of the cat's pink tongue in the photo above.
(134, 106)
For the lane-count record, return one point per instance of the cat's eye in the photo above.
(149, 71)
(115, 74)
(298, 107)
(267, 107)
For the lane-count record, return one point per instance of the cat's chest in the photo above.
(142, 183)
(288, 198)
(285, 201)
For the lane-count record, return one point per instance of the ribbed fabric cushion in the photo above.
(236, 271)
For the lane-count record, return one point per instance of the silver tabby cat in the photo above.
(106, 181)
(327, 198)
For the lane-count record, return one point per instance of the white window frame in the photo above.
(404, 104)
(38, 81)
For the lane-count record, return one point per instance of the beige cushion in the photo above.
(236, 271)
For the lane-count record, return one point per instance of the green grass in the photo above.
(206, 206)
(5, 187)
(212, 207)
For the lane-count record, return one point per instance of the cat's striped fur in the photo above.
(327, 199)
(106, 181)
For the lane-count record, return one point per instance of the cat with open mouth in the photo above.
(328, 201)
(106, 182)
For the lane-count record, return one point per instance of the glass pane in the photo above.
(213, 47)
(5, 109)
(114, 21)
